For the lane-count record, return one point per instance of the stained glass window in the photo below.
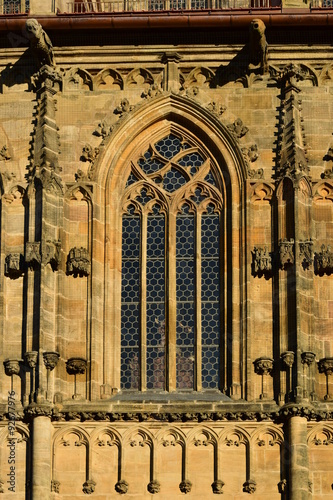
(171, 272)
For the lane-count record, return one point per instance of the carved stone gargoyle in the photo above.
(258, 47)
(40, 43)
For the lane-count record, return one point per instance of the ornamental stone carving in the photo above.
(185, 486)
(324, 260)
(258, 48)
(51, 253)
(55, 486)
(40, 43)
(217, 487)
(263, 366)
(251, 153)
(76, 366)
(282, 486)
(103, 130)
(250, 486)
(12, 367)
(31, 358)
(4, 153)
(262, 261)
(32, 253)
(78, 262)
(50, 359)
(121, 487)
(286, 251)
(123, 108)
(288, 358)
(154, 487)
(13, 265)
(306, 251)
(88, 487)
(89, 153)
(216, 108)
(153, 91)
(238, 129)
(308, 358)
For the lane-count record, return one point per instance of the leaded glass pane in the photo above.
(185, 286)
(170, 145)
(156, 301)
(210, 300)
(130, 289)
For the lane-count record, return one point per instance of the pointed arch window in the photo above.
(171, 269)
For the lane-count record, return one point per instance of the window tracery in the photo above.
(171, 278)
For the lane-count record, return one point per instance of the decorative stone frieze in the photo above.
(121, 487)
(217, 487)
(185, 486)
(154, 487)
(306, 251)
(78, 262)
(51, 253)
(262, 261)
(55, 486)
(238, 128)
(286, 252)
(250, 486)
(4, 153)
(323, 261)
(40, 43)
(13, 265)
(88, 486)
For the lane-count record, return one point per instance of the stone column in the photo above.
(41, 458)
(298, 463)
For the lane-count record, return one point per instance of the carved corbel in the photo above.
(325, 365)
(55, 486)
(76, 366)
(14, 265)
(51, 253)
(88, 486)
(217, 487)
(324, 260)
(121, 487)
(306, 251)
(154, 486)
(185, 486)
(32, 253)
(250, 486)
(286, 252)
(263, 366)
(78, 262)
(262, 261)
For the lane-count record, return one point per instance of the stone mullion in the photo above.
(234, 263)
(143, 304)
(171, 319)
(198, 330)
